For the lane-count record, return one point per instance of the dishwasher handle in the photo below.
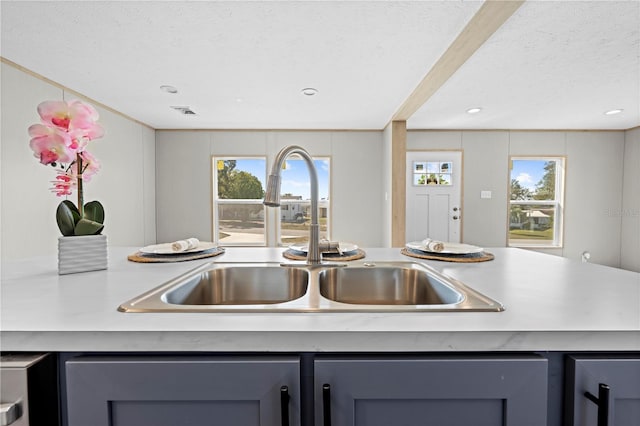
(9, 413)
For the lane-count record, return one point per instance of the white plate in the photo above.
(165, 248)
(344, 247)
(449, 248)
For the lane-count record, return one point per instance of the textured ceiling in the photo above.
(242, 65)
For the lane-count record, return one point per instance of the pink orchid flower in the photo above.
(50, 145)
(61, 138)
(63, 184)
(56, 113)
(74, 116)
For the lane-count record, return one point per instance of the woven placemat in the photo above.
(468, 258)
(166, 258)
(301, 255)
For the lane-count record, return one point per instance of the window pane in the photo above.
(241, 179)
(535, 212)
(533, 179)
(295, 220)
(241, 224)
(532, 224)
(295, 215)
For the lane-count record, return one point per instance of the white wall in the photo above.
(386, 188)
(124, 185)
(594, 185)
(184, 180)
(630, 213)
(593, 190)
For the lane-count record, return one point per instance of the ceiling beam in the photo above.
(491, 15)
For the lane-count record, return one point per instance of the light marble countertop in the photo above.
(552, 303)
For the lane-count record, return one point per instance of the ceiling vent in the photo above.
(184, 110)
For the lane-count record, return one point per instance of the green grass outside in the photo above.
(524, 234)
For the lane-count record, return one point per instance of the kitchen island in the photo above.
(567, 328)
(552, 304)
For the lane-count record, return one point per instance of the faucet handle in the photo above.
(327, 246)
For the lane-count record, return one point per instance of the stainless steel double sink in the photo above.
(276, 287)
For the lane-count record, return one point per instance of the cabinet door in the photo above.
(186, 391)
(620, 375)
(442, 391)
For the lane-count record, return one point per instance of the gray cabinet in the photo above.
(614, 388)
(363, 390)
(182, 390)
(430, 391)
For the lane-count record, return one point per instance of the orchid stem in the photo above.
(80, 192)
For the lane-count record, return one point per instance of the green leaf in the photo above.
(74, 210)
(65, 219)
(94, 211)
(88, 227)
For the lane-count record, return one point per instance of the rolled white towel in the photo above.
(184, 245)
(432, 245)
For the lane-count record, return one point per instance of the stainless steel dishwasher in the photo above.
(28, 390)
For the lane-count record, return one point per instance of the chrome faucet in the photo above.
(272, 197)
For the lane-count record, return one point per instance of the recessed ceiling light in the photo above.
(309, 91)
(474, 110)
(613, 111)
(168, 89)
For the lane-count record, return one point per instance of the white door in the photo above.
(434, 179)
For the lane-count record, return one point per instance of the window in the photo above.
(239, 215)
(536, 201)
(295, 198)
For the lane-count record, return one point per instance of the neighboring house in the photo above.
(293, 209)
(533, 219)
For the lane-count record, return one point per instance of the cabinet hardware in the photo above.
(602, 401)
(326, 404)
(284, 406)
(9, 413)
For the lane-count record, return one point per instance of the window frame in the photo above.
(558, 203)
(216, 201)
(272, 216)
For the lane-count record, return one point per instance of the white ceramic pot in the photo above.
(82, 254)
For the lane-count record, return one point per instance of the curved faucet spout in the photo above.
(272, 196)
